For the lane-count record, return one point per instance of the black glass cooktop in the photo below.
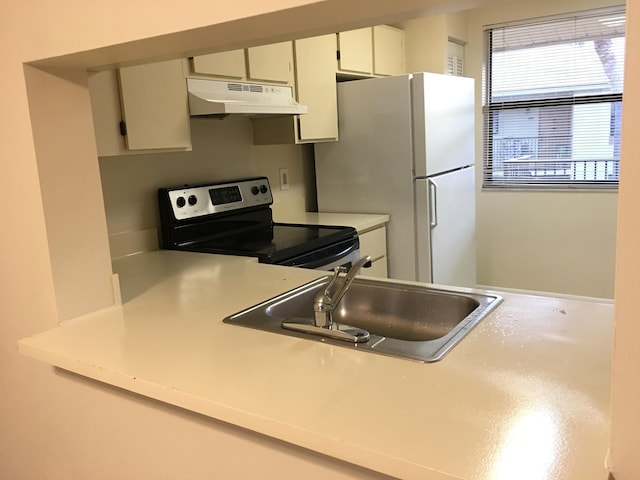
(275, 243)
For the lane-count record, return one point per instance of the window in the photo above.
(552, 91)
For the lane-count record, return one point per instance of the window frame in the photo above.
(489, 109)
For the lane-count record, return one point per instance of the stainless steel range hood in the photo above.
(211, 97)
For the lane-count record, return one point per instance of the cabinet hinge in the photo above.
(337, 54)
(123, 129)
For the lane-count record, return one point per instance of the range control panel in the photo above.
(195, 201)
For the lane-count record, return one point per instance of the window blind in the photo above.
(552, 101)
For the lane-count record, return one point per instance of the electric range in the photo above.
(235, 218)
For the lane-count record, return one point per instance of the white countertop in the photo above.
(525, 393)
(362, 222)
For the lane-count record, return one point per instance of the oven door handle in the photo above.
(320, 260)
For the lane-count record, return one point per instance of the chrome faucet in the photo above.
(324, 303)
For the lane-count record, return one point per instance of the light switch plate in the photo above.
(284, 179)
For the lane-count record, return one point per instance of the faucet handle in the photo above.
(367, 262)
(336, 271)
(324, 302)
(364, 262)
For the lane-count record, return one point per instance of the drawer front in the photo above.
(378, 269)
(374, 243)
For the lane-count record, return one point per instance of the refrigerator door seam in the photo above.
(444, 172)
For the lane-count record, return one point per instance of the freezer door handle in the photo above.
(433, 203)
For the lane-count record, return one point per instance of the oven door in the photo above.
(340, 254)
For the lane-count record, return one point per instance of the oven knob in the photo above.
(263, 188)
(180, 202)
(255, 190)
(192, 200)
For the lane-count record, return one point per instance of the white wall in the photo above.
(426, 40)
(625, 436)
(536, 240)
(425, 44)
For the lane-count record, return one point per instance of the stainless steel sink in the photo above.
(404, 320)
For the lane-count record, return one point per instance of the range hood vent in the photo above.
(211, 97)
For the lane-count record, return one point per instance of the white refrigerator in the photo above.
(406, 149)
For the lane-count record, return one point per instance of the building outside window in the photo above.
(552, 101)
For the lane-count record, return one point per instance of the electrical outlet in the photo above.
(284, 179)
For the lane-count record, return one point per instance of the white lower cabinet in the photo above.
(374, 243)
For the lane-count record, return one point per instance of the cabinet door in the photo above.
(377, 269)
(229, 64)
(388, 50)
(107, 113)
(271, 63)
(374, 243)
(316, 87)
(356, 51)
(154, 106)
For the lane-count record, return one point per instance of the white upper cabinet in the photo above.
(107, 113)
(371, 51)
(140, 109)
(154, 106)
(355, 49)
(271, 63)
(315, 82)
(229, 64)
(388, 50)
(144, 108)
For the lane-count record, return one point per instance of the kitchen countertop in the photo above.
(524, 395)
(362, 222)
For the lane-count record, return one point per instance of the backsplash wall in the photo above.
(222, 150)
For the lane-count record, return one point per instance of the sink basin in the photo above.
(406, 320)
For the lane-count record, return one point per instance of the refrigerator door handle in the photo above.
(433, 203)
